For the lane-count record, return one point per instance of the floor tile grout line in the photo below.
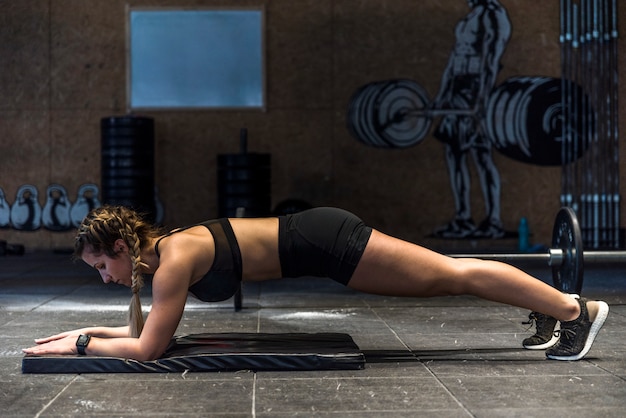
(606, 370)
(254, 382)
(52, 299)
(56, 397)
(254, 378)
(434, 376)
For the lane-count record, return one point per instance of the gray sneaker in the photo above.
(545, 336)
(576, 337)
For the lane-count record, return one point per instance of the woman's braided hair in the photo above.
(97, 234)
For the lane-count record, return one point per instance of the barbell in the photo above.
(566, 255)
(522, 117)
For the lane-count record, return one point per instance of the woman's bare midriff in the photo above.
(258, 243)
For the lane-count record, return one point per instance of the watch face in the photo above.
(82, 340)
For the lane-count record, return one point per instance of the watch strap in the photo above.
(81, 343)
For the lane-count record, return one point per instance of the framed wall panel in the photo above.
(195, 59)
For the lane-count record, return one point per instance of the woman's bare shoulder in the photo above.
(186, 255)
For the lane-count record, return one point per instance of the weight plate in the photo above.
(359, 116)
(566, 235)
(370, 133)
(243, 188)
(248, 161)
(352, 118)
(257, 175)
(396, 113)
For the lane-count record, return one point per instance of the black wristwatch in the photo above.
(82, 342)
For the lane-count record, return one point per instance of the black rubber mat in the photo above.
(220, 352)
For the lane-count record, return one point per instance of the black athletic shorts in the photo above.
(321, 242)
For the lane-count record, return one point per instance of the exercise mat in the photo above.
(220, 352)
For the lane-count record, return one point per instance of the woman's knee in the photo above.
(464, 275)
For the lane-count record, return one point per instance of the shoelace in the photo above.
(536, 318)
(569, 335)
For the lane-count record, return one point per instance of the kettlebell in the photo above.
(26, 211)
(5, 211)
(56, 211)
(87, 200)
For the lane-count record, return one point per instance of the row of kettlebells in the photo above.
(58, 213)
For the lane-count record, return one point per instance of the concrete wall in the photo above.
(64, 68)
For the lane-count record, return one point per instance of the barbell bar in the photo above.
(566, 256)
(521, 117)
(400, 115)
(553, 257)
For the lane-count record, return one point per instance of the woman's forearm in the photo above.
(107, 332)
(125, 347)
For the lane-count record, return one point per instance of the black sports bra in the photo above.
(224, 277)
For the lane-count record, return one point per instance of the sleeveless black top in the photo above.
(224, 277)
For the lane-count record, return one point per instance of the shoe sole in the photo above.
(554, 339)
(543, 346)
(548, 344)
(603, 313)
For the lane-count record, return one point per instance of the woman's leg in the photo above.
(390, 266)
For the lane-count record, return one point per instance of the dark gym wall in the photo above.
(64, 68)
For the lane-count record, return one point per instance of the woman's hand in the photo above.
(104, 332)
(74, 333)
(64, 343)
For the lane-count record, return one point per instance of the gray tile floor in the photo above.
(442, 357)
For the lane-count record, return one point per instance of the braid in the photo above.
(135, 314)
(98, 233)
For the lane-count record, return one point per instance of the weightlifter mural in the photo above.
(521, 117)
(470, 75)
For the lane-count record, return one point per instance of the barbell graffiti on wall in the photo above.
(58, 213)
(522, 117)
